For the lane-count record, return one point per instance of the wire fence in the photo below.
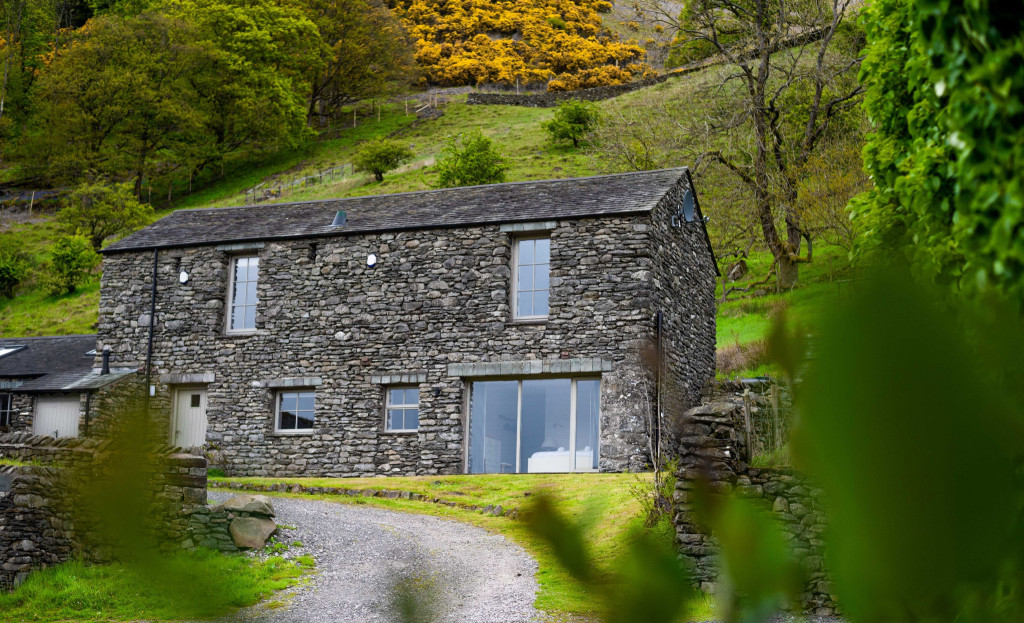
(273, 189)
(768, 416)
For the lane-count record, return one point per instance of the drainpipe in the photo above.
(88, 399)
(657, 390)
(152, 319)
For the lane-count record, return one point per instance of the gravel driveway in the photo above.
(466, 573)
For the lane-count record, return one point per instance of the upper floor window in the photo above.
(6, 411)
(531, 267)
(403, 409)
(295, 411)
(242, 294)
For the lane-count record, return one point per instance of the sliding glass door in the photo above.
(534, 425)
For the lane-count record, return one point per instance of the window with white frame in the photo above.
(242, 294)
(531, 268)
(6, 410)
(295, 411)
(403, 409)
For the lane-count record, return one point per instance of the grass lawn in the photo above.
(199, 584)
(602, 502)
(745, 319)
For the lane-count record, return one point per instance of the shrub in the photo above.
(14, 266)
(72, 258)
(470, 160)
(572, 121)
(99, 211)
(382, 155)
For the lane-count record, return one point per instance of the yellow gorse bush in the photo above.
(563, 42)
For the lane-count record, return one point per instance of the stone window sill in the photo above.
(238, 335)
(402, 432)
(294, 433)
(529, 321)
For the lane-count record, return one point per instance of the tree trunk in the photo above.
(789, 272)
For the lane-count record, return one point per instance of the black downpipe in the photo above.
(657, 390)
(152, 319)
(88, 400)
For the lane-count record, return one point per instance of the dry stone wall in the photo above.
(435, 299)
(43, 522)
(710, 444)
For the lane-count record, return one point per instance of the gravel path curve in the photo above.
(465, 572)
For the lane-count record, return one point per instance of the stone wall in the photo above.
(42, 521)
(550, 99)
(710, 445)
(437, 299)
(21, 405)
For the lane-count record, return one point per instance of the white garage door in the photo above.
(56, 416)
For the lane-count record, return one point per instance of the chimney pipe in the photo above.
(106, 361)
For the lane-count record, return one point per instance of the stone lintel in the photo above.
(241, 246)
(408, 378)
(587, 365)
(296, 381)
(524, 227)
(194, 378)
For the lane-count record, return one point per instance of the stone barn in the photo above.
(506, 328)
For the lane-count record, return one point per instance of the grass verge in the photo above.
(603, 503)
(211, 584)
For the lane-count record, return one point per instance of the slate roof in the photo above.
(54, 363)
(46, 355)
(623, 193)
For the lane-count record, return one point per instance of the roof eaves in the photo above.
(374, 230)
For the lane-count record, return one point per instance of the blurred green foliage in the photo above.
(910, 417)
(648, 582)
(945, 86)
(911, 420)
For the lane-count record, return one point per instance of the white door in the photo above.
(188, 424)
(56, 416)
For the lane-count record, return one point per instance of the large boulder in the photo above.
(251, 504)
(251, 532)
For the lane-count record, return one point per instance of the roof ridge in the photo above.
(433, 190)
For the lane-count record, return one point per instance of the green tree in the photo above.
(777, 108)
(470, 160)
(118, 101)
(366, 53)
(98, 211)
(252, 88)
(573, 120)
(14, 266)
(71, 262)
(381, 155)
(946, 97)
(175, 88)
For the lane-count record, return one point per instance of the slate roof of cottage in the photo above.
(47, 355)
(623, 193)
(53, 363)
